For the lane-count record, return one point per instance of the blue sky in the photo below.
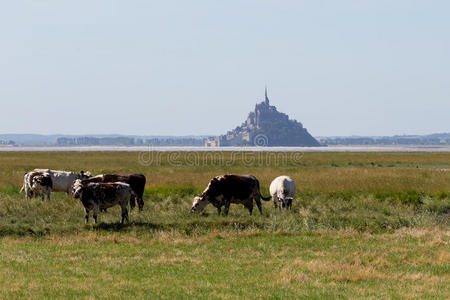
(198, 67)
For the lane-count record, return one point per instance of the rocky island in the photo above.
(266, 126)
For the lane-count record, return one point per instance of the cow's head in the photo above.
(76, 188)
(199, 203)
(84, 175)
(286, 202)
(36, 182)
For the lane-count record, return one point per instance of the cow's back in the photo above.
(110, 194)
(136, 181)
(289, 187)
(237, 186)
(62, 180)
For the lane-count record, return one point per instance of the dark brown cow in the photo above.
(95, 196)
(227, 189)
(136, 182)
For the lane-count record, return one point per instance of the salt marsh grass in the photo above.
(363, 225)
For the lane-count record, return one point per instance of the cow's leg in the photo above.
(250, 207)
(28, 193)
(95, 212)
(42, 195)
(219, 210)
(227, 206)
(275, 201)
(48, 194)
(258, 203)
(280, 203)
(132, 202)
(124, 214)
(283, 203)
(86, 215)
(140, 201)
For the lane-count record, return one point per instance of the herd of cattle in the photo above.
(104, 191)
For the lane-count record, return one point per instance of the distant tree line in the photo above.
(395, 140)
(175, 142)
(128, 141)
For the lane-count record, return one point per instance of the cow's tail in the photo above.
(22, 188)
(262, 197)
(265, 198)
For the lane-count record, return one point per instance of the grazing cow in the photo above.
(227, 189)
(42, 185)
(282, 190)
(95, 196)
(136, 182)
(63, 180)
(37, 183)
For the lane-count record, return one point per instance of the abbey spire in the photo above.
(266, 99)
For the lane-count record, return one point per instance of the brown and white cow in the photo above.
(227, 189)
(136, 182)
(95, 196)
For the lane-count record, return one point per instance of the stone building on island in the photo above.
(265, 126)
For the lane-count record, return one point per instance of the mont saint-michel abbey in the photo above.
(266, 126)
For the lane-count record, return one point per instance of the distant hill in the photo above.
(266, 126)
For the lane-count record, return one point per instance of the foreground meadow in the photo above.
(363, 225)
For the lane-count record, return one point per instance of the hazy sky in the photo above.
(198, 67)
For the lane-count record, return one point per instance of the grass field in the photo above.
(363, 225)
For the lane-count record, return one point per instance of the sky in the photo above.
(374, 67)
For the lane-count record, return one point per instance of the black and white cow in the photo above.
(27, 182)
(136, 182)
(282, 190)
(95, 196)
(227, 189)
(37, 184)
(42, 184)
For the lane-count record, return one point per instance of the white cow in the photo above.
(282, 190)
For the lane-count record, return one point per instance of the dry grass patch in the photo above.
(354, 271)
(164, 259)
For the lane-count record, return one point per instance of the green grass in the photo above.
(363, 225)
(167, 209)
(250, 265)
